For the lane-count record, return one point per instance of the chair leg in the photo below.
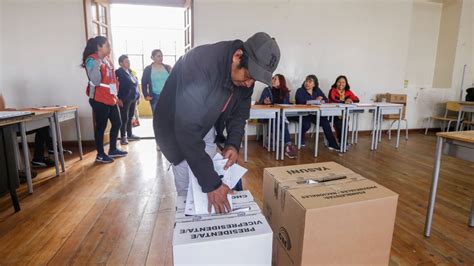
(390, 130)
(449, 126)
(427, 125)
(406, 129)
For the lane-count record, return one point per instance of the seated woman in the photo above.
(341, 93)
(279, 94)
(310, 91)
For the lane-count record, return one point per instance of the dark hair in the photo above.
(313, 78)
(154, 52)
(284, 91)
(122, 58)
(92, 47)
(342, 77)
(244, 59)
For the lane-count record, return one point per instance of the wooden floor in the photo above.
(123, 213)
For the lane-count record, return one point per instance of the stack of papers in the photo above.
(196, 201)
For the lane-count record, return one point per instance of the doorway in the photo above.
(136, 31)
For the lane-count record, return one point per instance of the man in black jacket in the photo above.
(209, 90)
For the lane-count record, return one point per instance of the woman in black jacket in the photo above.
(128, 96)
(154, 78)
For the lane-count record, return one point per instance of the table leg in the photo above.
(374, 129)
(434, 186)
(60, 141)
(343, 128)
(399, 124)
(269, 134)
(300, 135)
(55, 144)
(277, 130)
(26, 154)
(78, 133)
(458, 123)
(357, 128)
(316, 138)
(246, 139)
(353, 128)
(274, 126)
(379, 128)
(282, 153)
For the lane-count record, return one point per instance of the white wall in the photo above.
(42, 43)
(370, 41)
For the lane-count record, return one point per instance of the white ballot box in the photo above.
(230, 239)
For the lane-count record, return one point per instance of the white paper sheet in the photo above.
(197, 202)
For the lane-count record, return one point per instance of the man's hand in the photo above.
(349, 101)
(120, 103)
(148, 98)
(230, 153)
(218, 199)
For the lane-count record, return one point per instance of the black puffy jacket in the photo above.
(192, 102)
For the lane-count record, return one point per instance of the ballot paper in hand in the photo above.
(231, 176)
(197, 202)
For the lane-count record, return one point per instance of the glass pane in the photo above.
(94, 11)
(102, 14)
(95, 29)
(103, 31)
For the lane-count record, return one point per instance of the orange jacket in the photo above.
(106, 91)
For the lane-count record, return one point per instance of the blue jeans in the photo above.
(154, 101)
(324, 123)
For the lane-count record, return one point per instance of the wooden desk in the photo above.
(465, 107)
(40, 119)
(61, 114)
(459, 144)
(272, 113)
(386, 109)
(8, 163)
(298, 110)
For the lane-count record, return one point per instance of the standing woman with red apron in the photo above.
(102, 91)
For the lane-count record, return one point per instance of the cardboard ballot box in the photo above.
(238, 240)
(326, 214)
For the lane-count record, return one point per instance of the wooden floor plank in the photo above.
(123, 213)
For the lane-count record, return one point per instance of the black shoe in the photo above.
(117, 153)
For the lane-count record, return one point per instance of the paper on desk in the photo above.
(197, 202)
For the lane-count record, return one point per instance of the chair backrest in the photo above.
(453, 106)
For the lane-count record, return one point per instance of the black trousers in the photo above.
(42, 137)
(103, 113)
(127, 112)
(338, 127)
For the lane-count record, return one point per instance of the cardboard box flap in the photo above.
(304, 171)
(339, 193)
(220, 229)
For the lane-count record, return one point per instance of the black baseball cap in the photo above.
(264, 56)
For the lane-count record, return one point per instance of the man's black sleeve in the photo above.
(190, 112)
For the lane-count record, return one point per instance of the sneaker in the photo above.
(117, 153)
(49, 162)
(123, 141)
(103, 159)
(38, 164)
(65, 151)
(290, 151)
(133, 138)
(336, 148)
(303, 144)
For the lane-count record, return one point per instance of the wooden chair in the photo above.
(450, 116)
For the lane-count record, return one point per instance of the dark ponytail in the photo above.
(91, 47)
